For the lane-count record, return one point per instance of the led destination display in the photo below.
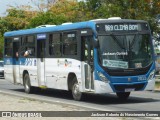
(122, 27)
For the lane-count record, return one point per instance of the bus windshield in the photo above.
(125, 51)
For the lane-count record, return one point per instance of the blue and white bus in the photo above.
(98, 56)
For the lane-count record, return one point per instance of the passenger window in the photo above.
(69, 43)
(8, 47)
(55, 44)
(28, 45)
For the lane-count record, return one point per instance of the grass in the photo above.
(157, 85)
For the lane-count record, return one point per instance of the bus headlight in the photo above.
(151, 76)
(102, 77)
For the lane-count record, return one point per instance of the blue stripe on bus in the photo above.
(21, 61)
(79, 25)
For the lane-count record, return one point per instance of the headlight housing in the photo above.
(102, 77)
(151, 75)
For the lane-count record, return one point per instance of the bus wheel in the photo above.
(123, 95)
(27, 85)
(77, 95)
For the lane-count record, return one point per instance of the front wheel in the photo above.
(123, 95)
(77, 95)
(27, 85)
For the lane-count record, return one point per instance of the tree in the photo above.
(67, 9)
(1, 46)
(44, 5)
(43, 19)
(126, 9)
(19, 19)
(61, 11)
(15, 20)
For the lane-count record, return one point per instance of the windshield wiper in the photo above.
(117, 41)
(133, 41)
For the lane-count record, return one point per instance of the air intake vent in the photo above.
(42, 26)
(98, 19)
(67, 23)
(114, 18)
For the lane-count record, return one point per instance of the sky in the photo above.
(4, 5)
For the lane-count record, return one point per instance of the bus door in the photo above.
(16, 67)
(41, 61)
(87, 58)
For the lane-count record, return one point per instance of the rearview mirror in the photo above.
(96, 43)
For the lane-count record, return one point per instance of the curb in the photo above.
(40, 99)
(156, 90)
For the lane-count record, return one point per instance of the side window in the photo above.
(70, 43)
(8, 47)
(87, 49)
(16, 46)
(28, 44)
(55, 44)
(30, 40)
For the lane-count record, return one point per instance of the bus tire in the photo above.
(77, 95)
(123, 95)
(27, 85)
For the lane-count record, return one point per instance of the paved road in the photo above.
(138, 101)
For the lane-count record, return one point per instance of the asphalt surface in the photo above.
(138, 101)
(57, 100)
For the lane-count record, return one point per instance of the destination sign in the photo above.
(121, 27)
(41, 36)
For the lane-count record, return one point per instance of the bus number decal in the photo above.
(141, 78)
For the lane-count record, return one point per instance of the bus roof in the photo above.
(73, 26)
(78, 25)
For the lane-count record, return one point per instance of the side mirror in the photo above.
(96, 43)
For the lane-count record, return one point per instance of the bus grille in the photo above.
(121, 88)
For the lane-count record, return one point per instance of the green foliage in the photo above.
(126, 9)
(1, 46)
(73, 11)
(3, 25)
(40, 19)
(16, 13)
(46, 18)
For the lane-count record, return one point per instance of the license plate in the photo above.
(129, 89)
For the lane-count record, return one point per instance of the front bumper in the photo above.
(102, 87)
